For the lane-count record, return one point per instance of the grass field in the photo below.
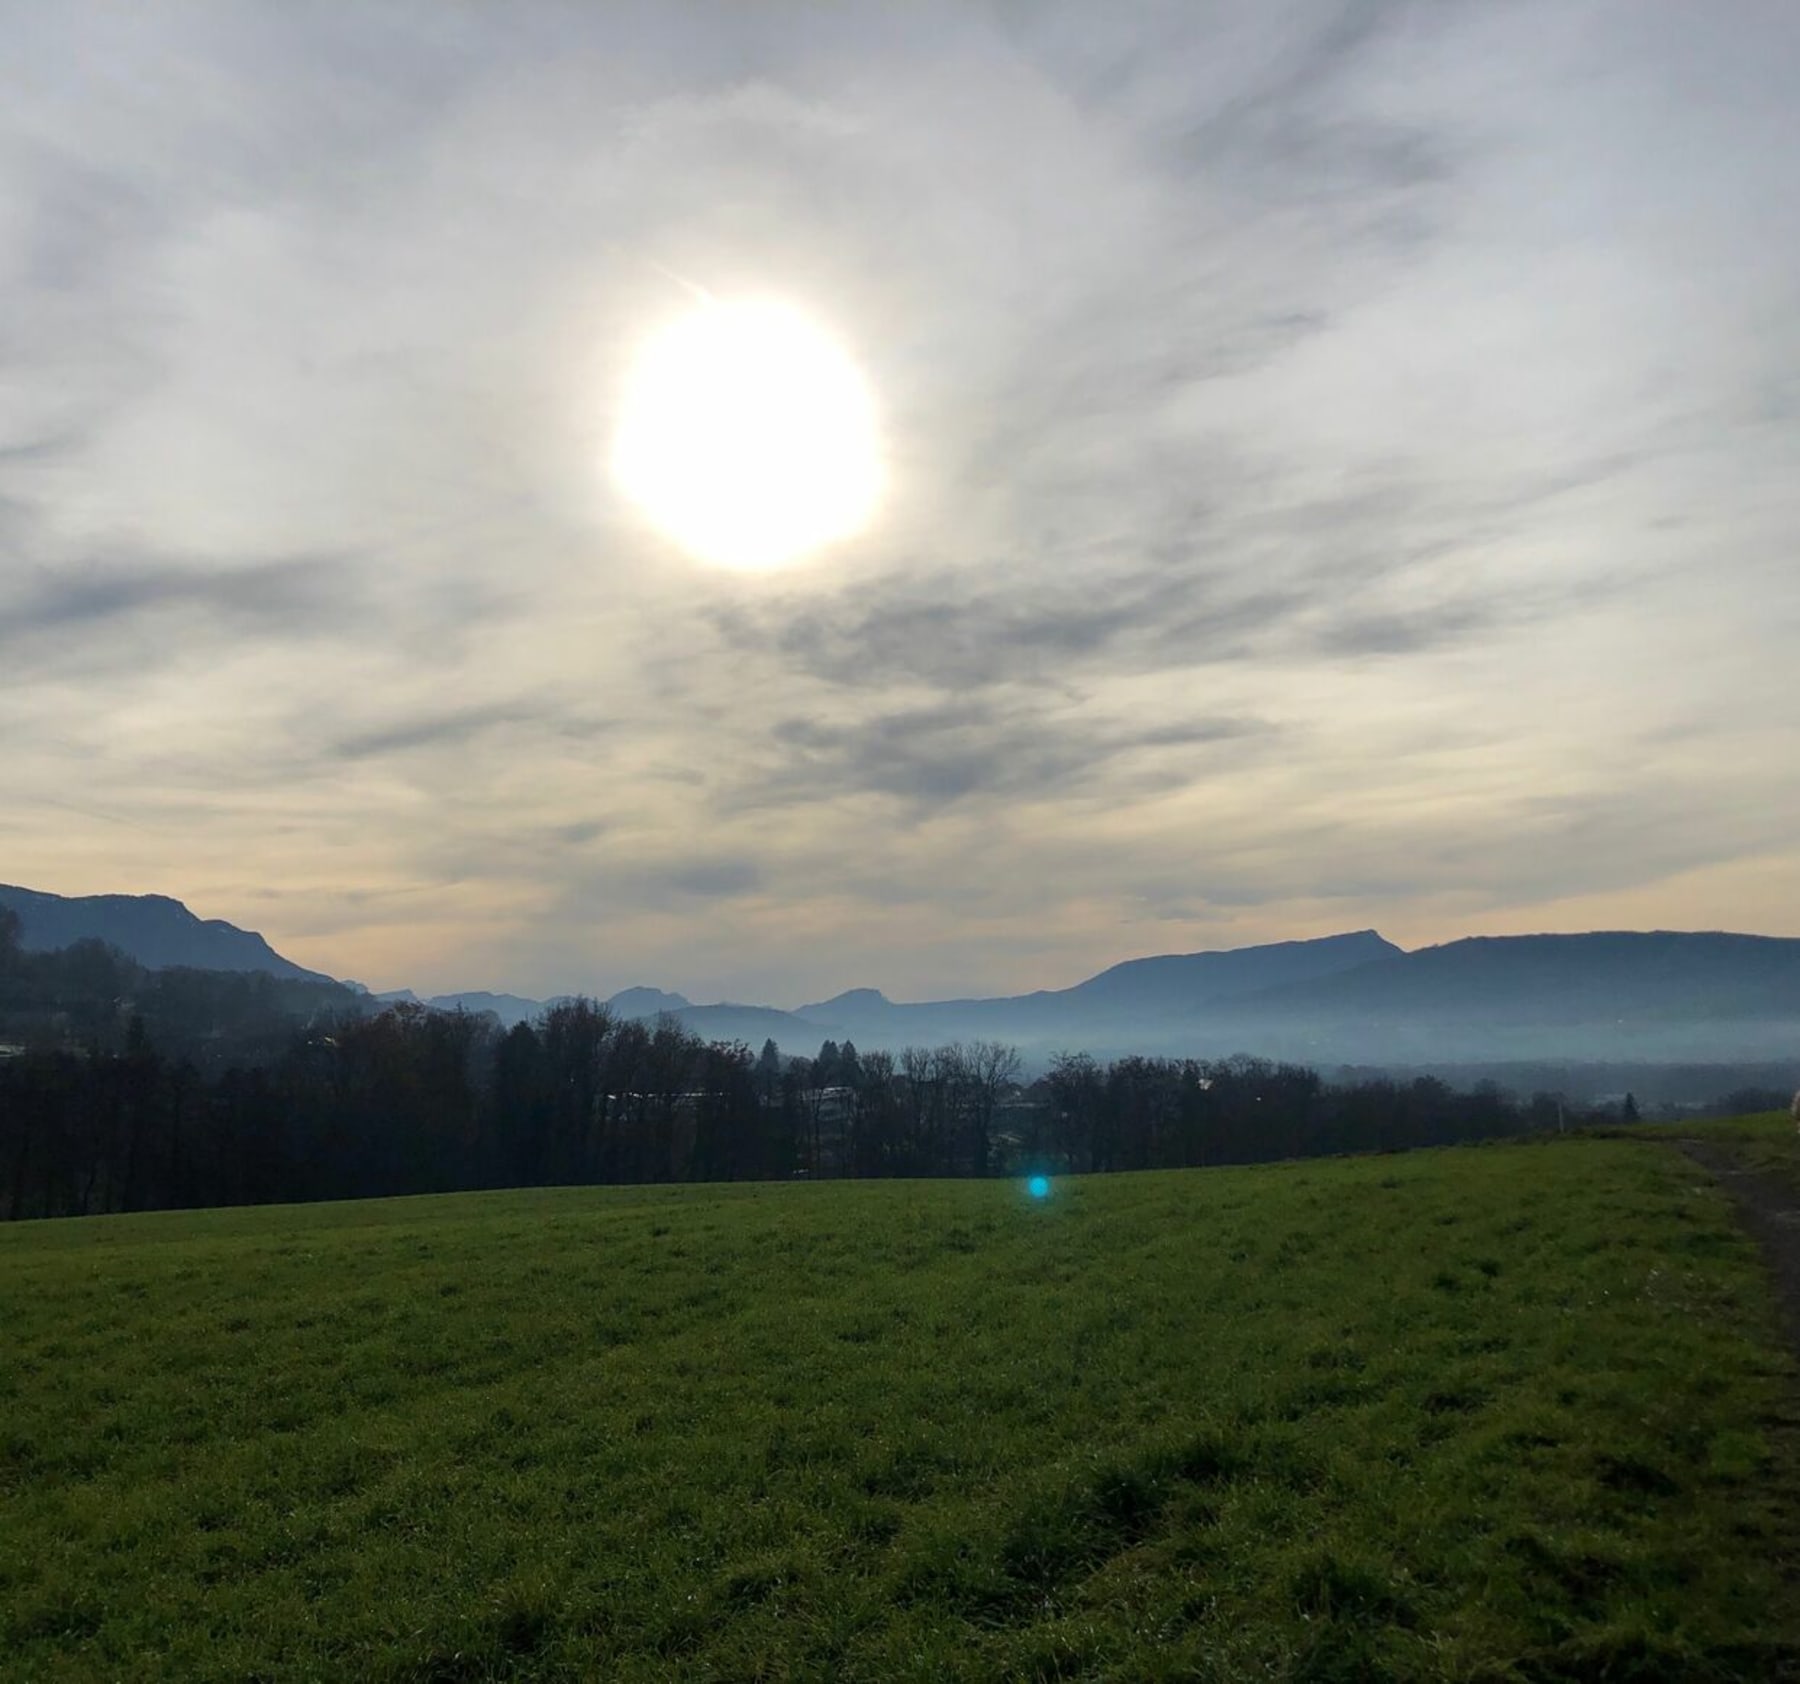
(1501, 1413)
(1768, 1144)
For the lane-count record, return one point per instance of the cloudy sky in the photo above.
(1343, 469)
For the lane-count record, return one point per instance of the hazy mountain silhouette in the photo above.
(718, 1023)
(1650, 996)
(756, 1024)
(1157, 996)
(1650, 975)
(1183, 981)
(509, 1008)
(647, 1002)
(853, 1002)
(156, 931)
(517, 1008)
(1658, 994)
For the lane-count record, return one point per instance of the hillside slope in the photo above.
(1659, 994)
(1140, 1000)
(155, 930)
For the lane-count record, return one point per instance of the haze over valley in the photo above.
(1613, 998)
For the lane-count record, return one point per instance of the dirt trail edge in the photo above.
(1770, 1213)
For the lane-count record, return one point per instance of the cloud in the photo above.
(45, 449)
(281, 593)
(910, 631)
(931, 757)
(80, 609)
(1409, 632)
(456, 728)
(1306, 130)
(1380, 571)
(1341, 461)
(704, 878)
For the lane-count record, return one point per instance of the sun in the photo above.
(749, 436)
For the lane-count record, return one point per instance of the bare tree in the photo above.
(918, 1070)
(991, 1068)
(876, 1143)
(1076, 1092)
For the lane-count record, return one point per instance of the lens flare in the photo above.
(1038, 1186)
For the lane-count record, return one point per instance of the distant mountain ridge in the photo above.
(509, 1008)
(1545, 977)
(647, 1002)
(155, 930)
(1158, 994)
(1354, 998)
(1612, 993)
(1195, 979)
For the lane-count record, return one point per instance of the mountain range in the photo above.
(1657, 996)
(155, 930)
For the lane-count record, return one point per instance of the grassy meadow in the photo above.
(1768, 1144)
(1500, 1413)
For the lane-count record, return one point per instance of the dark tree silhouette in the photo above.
(122, 1089)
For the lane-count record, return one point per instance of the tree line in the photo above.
(88, 994)
(418, 1101)
(122, 1089)
(411, 1100)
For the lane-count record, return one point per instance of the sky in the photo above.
(1342, 469)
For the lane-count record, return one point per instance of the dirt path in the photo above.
(1770, 1213)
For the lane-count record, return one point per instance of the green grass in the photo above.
(1503, 1413)
(1768, 1143)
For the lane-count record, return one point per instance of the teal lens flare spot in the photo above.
(1038, 1186)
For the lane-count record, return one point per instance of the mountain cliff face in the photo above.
(153, 929)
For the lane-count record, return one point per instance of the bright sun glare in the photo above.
(748, 436)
